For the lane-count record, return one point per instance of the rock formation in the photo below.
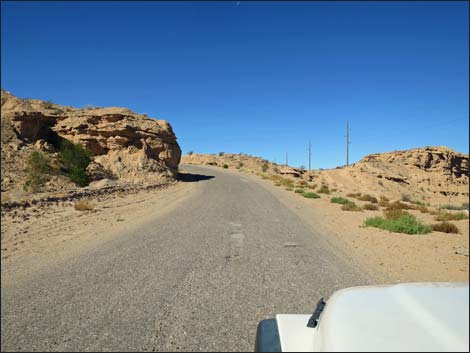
(125, 146)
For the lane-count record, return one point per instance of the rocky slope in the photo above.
(430, 174)
(126, 147)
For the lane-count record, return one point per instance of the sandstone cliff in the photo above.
(430, 174)
(125, 146)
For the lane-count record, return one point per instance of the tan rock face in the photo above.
(431, 174)
(124, 144)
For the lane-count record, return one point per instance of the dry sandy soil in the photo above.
(394, 257)
(31, 235)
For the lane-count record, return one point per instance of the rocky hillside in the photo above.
(125, 146)
(429, 174)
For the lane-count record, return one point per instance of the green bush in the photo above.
(225, 166)
(445, 227)
(447, 216)
(339, 200)
(405, 224)
(311, 195)
(73, 160)
(38, 168)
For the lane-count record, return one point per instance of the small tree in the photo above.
(190, 153)
(264, 166)
(221, 154)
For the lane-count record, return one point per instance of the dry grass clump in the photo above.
(323, 189)
(463, 206)
(84, 205)
(351, 206)
(370, 207)
(447, 216)
(354, 195)
(395, 213)
(289, 188)
(302, 183)
(365, 197)
(299, 191)
(384, 201)
(445, 227)
(397, 205)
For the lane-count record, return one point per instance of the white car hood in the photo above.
(404, 317)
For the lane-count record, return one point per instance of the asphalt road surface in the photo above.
(199, 278)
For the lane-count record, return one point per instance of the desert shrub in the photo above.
(395, 213)
(299, 191)
(397, 205)
(333, 190)
(240, 165)
(221, 154)
(324, 189)
(190, 153)
(351, 206)
(225, 166)
(463, 206)
(447, 216)
(311, 195)
(277, 184)
(264, 166)
(422, 209)
(370, 207)
(405, 224)
(339, 200)
(84, 205)
(405, 197)
(445, 227)
(368, 198)
(289, 188)
(302, 183)
(38, 168)
(384, 198)
(73, 160)
(354, 195)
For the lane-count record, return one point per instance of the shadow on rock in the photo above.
(188, 177)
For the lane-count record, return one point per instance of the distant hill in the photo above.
(430, 174)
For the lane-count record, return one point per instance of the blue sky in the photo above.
(260, 78)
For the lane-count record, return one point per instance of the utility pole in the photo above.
(309, 154)
(347, 143)
(287, 160)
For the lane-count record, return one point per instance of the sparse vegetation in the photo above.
(73, 160)
(38, 169)
(447, 216)
(311, 195)
(225, 166)
(289, 188)
(299, 191)
(47, 104)
(397, 205)
(264, 166)
(395, 213)
(405, 197)
(324, 189)
(351, 206)
(445, 227)
(406, 223)
(84, 205)
(365, 197)
(339, 200)
(221, 154)
(463, 206)
(370, 207)
(190, 153)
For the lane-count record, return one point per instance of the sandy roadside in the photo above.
(391, 257)
(38, 237)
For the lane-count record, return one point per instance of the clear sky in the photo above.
(260, 78)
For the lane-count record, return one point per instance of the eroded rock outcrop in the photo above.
(125, 145)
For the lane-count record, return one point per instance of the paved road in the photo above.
(197, 279)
